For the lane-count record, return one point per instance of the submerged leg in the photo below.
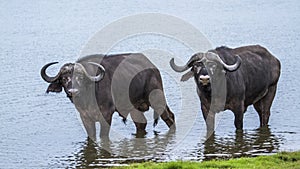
(155, 117)
(263, 106)
(158, 103)
(105, 123)
(238, 120)
(239, 115)
(209, 118)
(168, 117)
(89, 126)
(139, 120)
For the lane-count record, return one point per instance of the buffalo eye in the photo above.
(79, 78)
(64, 80)
(198, 64)
(196, 69)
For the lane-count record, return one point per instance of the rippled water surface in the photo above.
(41, 130)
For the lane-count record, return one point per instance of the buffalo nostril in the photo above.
(72, 92)
(204, 79)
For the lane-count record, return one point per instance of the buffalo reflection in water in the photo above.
(106, 153)
(247, 143)
(126, 151)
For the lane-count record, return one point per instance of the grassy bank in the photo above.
(285, 160)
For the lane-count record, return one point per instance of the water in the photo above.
(43, 131)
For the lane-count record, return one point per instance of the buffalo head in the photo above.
(205, 67)
(72, 77)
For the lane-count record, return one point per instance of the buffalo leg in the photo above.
(238, 120)
(239, 116)
(168, 117)
(105, 123)
(158, 103)
(139, 120)
(155, 117)
(263, 106)
(209, 118)
(89, 126)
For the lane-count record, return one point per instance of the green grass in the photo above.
(284, 160)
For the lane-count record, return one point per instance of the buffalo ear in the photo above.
(54, 87)
(187, 76)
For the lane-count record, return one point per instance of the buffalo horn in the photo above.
(214, 57)
(93, 78)
(185, 67)
(45, 76)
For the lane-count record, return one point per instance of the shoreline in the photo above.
(287, 160)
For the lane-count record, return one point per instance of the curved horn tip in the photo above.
(234, 66)
(45, 76)
(177, 68)
(93, 78)
(172, 60)
(49, 64)
(173, 65)
(99, 65)
(215, 57)
(238, 62)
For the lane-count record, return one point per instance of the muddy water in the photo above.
(43, 131)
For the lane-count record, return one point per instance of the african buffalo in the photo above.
(244, 76)
(100, 85)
